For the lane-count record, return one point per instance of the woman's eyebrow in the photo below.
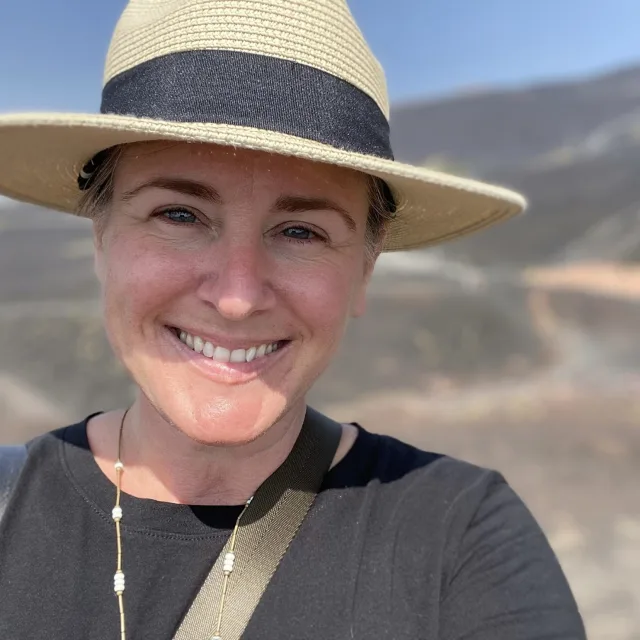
(297, 204)
(180, 185)
(289, 204)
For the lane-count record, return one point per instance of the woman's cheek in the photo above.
(320, 295)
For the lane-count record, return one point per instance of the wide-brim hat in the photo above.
(292, 78)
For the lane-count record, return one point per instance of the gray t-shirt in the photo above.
(400, 544)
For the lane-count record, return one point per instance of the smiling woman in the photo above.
(250, 238)
(241, 186)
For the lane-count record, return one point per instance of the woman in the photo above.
(241, 187)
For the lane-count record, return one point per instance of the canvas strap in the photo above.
(12, 460)
(266, 530)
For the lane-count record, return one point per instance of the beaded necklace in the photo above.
(118, 579)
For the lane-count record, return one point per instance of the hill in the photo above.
(572, 148)
(497, 129)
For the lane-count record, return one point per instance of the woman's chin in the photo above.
(226, 421)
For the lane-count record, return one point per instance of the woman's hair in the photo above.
(96, 198)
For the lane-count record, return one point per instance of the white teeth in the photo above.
(221, 354)
(208, 350)
(238, 355)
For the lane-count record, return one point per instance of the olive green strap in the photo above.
(266, 530)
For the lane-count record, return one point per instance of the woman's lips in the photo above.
(221, 353)
(222, 366)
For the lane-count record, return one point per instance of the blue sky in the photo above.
(52, 51)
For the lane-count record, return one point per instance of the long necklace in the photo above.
(118, 579)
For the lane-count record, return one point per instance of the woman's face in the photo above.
(228, 278)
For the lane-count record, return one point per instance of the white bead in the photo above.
(216, 638)
(227, 565)
(116, 514)
(118, 582)
(119, 466)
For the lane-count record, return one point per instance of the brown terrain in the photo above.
(515, 349)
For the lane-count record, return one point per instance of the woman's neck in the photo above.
(163, 464)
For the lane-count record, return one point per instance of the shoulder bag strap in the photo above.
(12, 460)
(267, 528)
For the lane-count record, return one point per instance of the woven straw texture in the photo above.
(319, 33)
(42, 154)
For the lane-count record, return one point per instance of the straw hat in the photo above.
(293, 78)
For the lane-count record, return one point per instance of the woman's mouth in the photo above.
(222, 354)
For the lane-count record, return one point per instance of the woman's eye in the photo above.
(179, 216)
(300, 233)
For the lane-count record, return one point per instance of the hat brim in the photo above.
(41, 156)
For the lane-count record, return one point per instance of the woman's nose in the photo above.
(237, 280)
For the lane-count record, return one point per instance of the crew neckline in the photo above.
(164, 518)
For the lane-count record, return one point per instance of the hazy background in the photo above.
(516, 348)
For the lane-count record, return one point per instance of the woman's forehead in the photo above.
(218, 163)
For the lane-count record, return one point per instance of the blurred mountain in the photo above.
(585, 209)
(499, 129)
(572, 148)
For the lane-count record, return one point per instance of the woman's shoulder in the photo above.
(47, 448)
(74, 433)
(470, 510)
(418, 474)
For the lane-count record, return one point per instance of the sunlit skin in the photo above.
(241, 248)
